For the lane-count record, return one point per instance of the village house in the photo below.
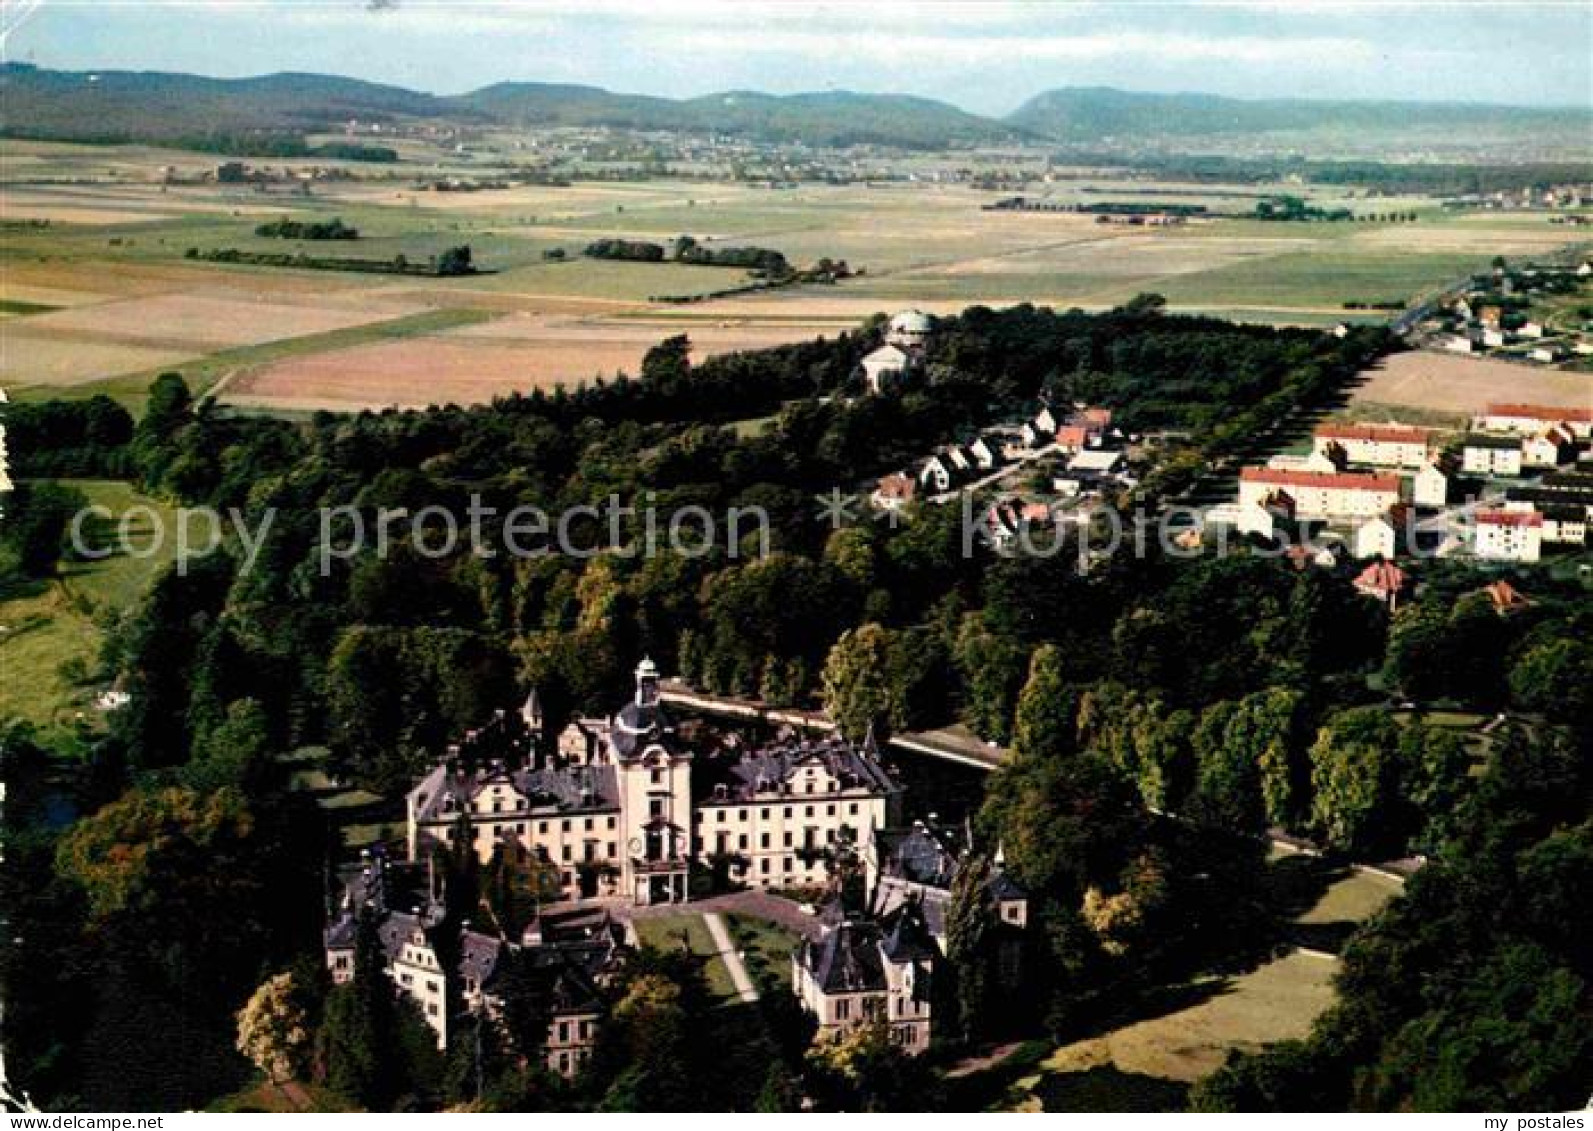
(1385, 536)
(1534, 418)
(886, 368)
(894, 492)
(1506, 598)
(1384, 582)
(1377, 445)
(1430, 485)
(941, 472)
(1564, 524)
(863, 969)
(1508, 535)
(1322, 495)
(1549, 448)
(631, 819)
(1072, 437)
(1491, 455)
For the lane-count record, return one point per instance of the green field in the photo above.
(50, 628)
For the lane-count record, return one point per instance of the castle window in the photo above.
(763, 842)
(611, 822)
(764, 813)
(829, 810)
(657, 776)
(587, 824)
(852, 809)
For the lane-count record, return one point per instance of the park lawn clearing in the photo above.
(1274, 1002)
(766, 948)
(56, 623)
(664, 932)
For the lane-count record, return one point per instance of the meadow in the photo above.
(98, 295)
(52, 630)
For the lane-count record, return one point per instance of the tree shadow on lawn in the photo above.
(1108, 1088)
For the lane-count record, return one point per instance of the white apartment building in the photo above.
(1491, 455)
(1320, 494)
(1508, 536)
(1376, 445)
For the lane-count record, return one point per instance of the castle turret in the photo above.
(646, 683)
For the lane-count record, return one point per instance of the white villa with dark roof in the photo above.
(864, 970)
(566, 958)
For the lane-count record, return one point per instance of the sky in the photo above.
(987, 56)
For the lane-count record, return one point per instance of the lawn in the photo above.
(766, 948)
(664, 933)
(1275, 1002)
(265, 1097)
(52, 627)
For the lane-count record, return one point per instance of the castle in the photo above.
(622, 807)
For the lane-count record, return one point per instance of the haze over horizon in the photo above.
(987, 58)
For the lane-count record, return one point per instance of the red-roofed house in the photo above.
(1506, 598)
(1321, 494)
(1508, 536)
(1533, 418)
(894, 492)
(1384, 581)
(1072, 437)
(1380, 445)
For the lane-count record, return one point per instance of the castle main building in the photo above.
(622, 806)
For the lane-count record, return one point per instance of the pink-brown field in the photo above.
(474, 364)
(83, 343)
(1449, 384)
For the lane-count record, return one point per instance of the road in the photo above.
(745, 990)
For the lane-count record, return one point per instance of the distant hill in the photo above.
(1099, 114)
(157, 106)
(830, 118)
(242, 115)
